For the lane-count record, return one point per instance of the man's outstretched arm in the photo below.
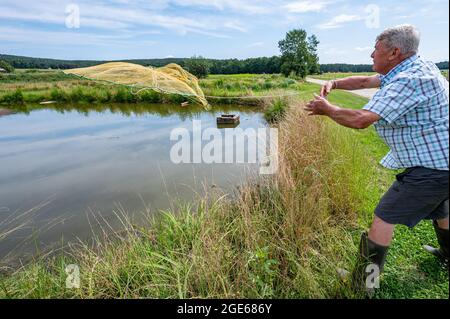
(351, 83)
(358, 119)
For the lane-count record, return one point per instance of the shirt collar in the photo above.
(397, 69)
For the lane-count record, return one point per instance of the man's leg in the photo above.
(373, 248)
(381, 232)
(442, 223)
(442, 235)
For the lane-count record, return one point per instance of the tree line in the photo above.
(260, 65)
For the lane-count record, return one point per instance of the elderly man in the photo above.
(410, 113)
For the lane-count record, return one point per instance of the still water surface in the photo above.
(64, 167)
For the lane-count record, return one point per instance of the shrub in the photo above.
(15, 97)
(6, 66)
(276, 110)
(58, 95)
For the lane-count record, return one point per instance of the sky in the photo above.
(135, 29)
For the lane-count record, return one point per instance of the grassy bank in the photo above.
(282, 237)
(34, 86)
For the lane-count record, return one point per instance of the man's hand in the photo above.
(318, 106)
(326, 88)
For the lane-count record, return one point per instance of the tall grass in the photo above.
(281, 237)
(275, 109)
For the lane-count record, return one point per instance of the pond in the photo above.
(66, 169)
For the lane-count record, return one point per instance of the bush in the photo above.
(150, 96)
(6, 66)
(15, 97)
(198, 66)
(276, 110)
(123, 95)
(58, 95)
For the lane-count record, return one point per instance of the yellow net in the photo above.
(170, 79)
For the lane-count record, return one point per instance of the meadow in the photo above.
(338, 75)
(35, 86)
(279, 237)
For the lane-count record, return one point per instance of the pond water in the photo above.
(65, 167)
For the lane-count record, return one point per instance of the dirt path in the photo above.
(367, 93)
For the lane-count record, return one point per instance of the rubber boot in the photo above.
(443, 240)
(372, 258)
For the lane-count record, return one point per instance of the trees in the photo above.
(6, 66)
(299, 53)
(268, 65)
(198, 66)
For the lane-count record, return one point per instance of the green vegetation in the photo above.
(338, 75)
(6, 66)
(198, 66)
(276, 110)
(267, 65)
(281, 237)
(37, 86)
(299, 54)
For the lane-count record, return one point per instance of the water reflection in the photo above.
(71, 161)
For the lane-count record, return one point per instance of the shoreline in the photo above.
(4, 112)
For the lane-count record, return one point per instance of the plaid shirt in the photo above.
(413, 105)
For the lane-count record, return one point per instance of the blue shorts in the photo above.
(418, 193)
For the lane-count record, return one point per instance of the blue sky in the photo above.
(127, 29)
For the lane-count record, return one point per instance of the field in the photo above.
(34, 86)
(331, 76)
(280, 238)
(340, 75)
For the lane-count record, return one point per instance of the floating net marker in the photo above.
(170, 79)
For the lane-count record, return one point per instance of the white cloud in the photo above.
(243, 6)
(256, 44)
(339, 20)
(362, 49)
(96, 15)
(305, 6)
(235, 26)
(66, 38)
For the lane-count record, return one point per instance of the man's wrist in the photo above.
(334, 85)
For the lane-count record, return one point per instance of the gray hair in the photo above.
(405, 37)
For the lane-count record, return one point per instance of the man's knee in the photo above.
(381, 232)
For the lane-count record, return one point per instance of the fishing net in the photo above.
(170, 79)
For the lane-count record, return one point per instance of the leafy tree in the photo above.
(6, 66)
(299, 53)
(313, 59)
(198, 66)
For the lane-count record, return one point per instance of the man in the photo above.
(410, 113)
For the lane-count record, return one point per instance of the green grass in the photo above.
(43, 85)
(410, 271)
(338, 75)
(276, 110)
(280, 238)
